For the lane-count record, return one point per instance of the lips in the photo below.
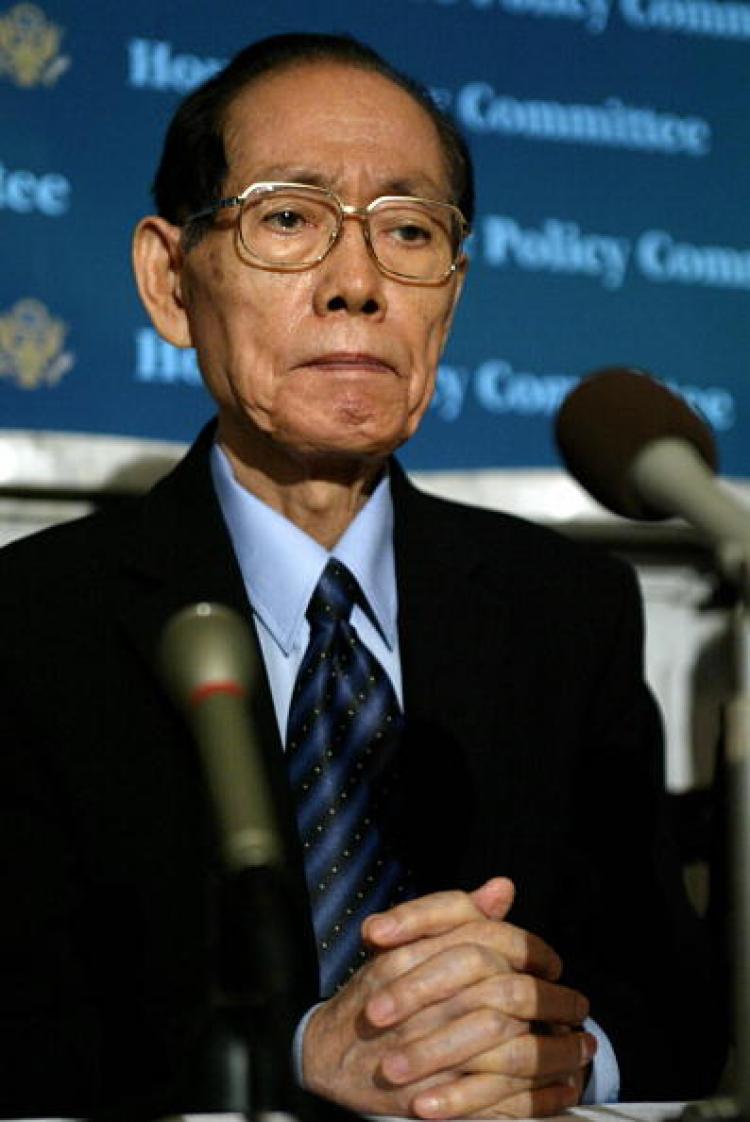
(350, 360)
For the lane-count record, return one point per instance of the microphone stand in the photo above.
(251, 1069)
(245, 1063)
(259, 958)
(733, 559)
(726, 522)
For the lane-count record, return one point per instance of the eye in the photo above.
(285, 221)
(412, 233)
(406, 226)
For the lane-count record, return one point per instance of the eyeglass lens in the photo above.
(293, 227)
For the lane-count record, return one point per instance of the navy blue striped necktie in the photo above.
(343, 733)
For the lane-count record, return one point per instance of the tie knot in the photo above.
(334, 595)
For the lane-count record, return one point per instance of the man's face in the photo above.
(337, 359)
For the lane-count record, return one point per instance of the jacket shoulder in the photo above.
(508, 544)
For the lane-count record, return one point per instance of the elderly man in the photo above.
(460, 693)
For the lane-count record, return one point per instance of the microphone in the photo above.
(208, 664)
(642, 452)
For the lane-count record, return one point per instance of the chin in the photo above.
(347, 446)
(346, 436)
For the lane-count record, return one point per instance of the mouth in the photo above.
(350, 360)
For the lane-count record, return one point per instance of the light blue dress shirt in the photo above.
(280, 566)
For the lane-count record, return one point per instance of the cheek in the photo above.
(427, 349)
(242, 338)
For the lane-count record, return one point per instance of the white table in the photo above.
(617, 1112)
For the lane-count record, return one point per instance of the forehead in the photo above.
(351, 129)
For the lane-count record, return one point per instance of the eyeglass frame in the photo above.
(344, 210)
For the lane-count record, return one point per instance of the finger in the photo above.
(455, 1045)
(443, 913)
(533, 999)
(531, 1056)
(441, 976)
(540, 1102)
(439, 911)
(495, 897)
(486, 1096)
(485, 1041)
(420, 918)
(524, 952)
(468, 977)
(557, 1009)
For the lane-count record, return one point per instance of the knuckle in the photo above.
(400, 1101)
(502, 992)
(516, 1104)
(454, 901)
(493, 1023)
(476, 958)
(415, 990)
(401, 959)
(525, 947)
(455, 1098)
(524, 1105)
(523, 1054)
(524, 994)
(483, 931)
(422, 1056)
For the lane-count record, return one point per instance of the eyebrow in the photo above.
(419, 185)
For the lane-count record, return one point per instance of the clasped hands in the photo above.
(458, 1014)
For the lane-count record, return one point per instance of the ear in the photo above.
(459, 278)
(462, 267)
(158, 260)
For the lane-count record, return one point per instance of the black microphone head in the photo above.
(608, 418)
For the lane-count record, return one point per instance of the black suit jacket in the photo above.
(532, 749)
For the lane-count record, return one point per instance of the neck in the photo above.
(320, 495)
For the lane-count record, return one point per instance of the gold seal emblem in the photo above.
(30, 47)
(31, 346)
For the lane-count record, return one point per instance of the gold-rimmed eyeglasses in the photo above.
(293, 226)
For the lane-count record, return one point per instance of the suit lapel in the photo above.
(453, 619)
(451, 598)
(179, 553)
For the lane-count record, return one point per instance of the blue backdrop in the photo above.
(612, 143)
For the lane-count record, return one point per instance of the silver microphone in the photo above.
(209, 665)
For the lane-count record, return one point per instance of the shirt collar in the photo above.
(281, 564)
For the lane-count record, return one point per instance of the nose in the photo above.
(348, 279)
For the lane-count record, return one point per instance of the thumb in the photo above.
(495, 897)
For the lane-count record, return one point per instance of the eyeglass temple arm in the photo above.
(222, 204)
